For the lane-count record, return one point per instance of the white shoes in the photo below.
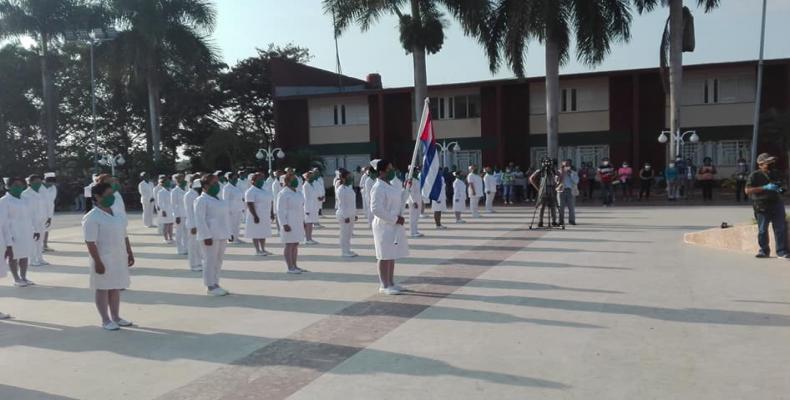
(295, 271)
(198, 268)
(390, 291)
(123, 323)
(308, 242)
(21, 284)
(218, 291)
(39, 263)
(4, 316)
(111, 326)
(442, 227)
(263, 253)
(416, 235)
(349, 254)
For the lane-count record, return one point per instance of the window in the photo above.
(459, 105)
(336, 119)
(731, 150)
(568, 100)
(455, 107)
(728, 90)
(474, 106)
(592, 154)
(343, 114)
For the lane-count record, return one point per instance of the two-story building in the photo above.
(616, 114)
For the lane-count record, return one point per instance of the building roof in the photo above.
(294, 79)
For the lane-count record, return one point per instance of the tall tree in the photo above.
(161, 37)
(421, 26)
(678, 35)
(46, 21)
(596, 24)
(18, 115)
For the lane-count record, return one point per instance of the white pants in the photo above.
(474, 203)
(195, 251)
(346, 231)
(235, 224)
(181, 237)
(213, 261)
(414, 219)
(148, 212)
(490, 201)
(369, 216)
(38, 251)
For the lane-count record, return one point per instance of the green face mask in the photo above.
(294, 183)
(182, 184)
(36, 186)
(213, 190)
(116, 187)
(348, 181)
(107, 201)
(259, 183)
(223, 180)
(390, 175)
(234, 181)
(48, 185)
(16, 191)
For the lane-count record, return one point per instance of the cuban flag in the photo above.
(431, 180)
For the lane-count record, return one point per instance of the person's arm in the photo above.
(90, 230)
(533, 180)
(282, 211)
(377, 202)
(203, 230)
(574, 177)
(129, 253)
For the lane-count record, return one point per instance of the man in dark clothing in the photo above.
(606, 175)
(763, 186)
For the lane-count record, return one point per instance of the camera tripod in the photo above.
(553, 208)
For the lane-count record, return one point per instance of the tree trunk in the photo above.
(49, 103)
(420, 70)
(153, 112)
(675, 70)
(552, 98)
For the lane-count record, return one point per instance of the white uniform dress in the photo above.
(474, 196)
(211, 220)
(21, 226)
(146, 190)
(363, 191)
(346, 209)
(109, 233)
(5, 237)
(235, 199)
(165, 204)
(489, 185)
(262, 200)
(368, 191)
(52, 195)
(194, 249)
(39, 205)
(413, 205)
(290, 211)
(440, 205)
(386, 203)
(459, 196)
(276, 189)
(179, 214)
(311, 203)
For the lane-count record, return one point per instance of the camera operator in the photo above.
(764, 187)
(567, 191)
(545, 181)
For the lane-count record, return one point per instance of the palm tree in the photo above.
(679, 21)
(160, 37)
(421, 31)
(45, 21)
(596, 24)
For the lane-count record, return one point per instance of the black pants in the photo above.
(550, 203)
(740, 186)
(707, 189)
(644, 189)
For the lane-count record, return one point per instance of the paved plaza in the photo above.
(615, 308)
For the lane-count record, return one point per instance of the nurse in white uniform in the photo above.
(21, 228)
(194, 249)
(146, 190)
(389, 235)
(213, 231)
(38, 200)
(320, 189)
(459, 197)
(5, 245)
(439, 205)
(312, 204)
(158, 188)
(51, 190)
(110, 256)
(235, 199)
(164, 201)
(489, 185)
(346, 211)
(179, 213)
(290, 213)
(277, 187)
(258, 223)
(474, 190)
(367, 193)
(413, 203)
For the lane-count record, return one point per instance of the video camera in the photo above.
(547, 165)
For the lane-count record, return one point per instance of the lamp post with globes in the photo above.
(111, 161)
(444, 147)
(269, 154)
(678, 139)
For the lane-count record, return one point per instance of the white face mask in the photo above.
(606, 163)
(647, 167)
(671, 165)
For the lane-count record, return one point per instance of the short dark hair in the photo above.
(99, 189)
(13, 179)
(34, 176)
(206, 179)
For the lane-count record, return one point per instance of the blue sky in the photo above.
(726, 34)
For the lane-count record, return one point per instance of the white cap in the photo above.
(217, 173)
(249, 177)
(196, 184)
(162, 176)
(142, 174)
(49, 175)
(228, 175)
(173, 177)
(5, 180)
(375, 163)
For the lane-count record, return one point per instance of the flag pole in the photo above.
(408, 178)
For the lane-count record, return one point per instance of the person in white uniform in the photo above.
(346, 211)
(146, 190)
(440, 205)
(258, 223)
(164, 201)
(389, 235)
(235, 199)
(368, 189)
(489, 185)
(179, 213)
(21, 229)
(39, 205)
(277, 187)
(158, 188)
(194, 249)
(118, 205)
(363, 191)
(290, 213)
(312, 204)
(111, 256)
(474, 189)
(51, 190)
(320, 190)
(243, 183)
(213, 231)
(5, 245)
(459, 197)
(413, 203)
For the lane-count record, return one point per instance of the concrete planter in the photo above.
(741, 238)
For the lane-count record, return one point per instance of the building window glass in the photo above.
(455, 107)
(336, 118)
(474, 106)
(568, 101)
(731, 150)
(343, 114)
(459, 107)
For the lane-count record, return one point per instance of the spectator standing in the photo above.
(585, 181)
(682, 177)
(706, 174)
(673, 186)
(606, 175)
(507, 185)
(646, 177)
(762, 186)
(567, 193)
(626, 175)
(741, 173)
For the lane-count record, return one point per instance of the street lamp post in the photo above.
(93, 37)
(678, 139)
(269, 154)
(111, 161)
(444, 147)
